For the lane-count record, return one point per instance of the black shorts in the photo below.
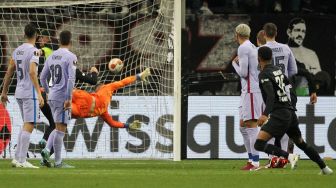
(282, 121)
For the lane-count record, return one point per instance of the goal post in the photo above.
(177, 79)
(143, 33)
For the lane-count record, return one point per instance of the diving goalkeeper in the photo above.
(86, 105)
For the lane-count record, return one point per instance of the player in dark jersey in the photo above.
(279, 115)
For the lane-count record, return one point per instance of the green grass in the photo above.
(156, 173)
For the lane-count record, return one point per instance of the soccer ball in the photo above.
(115, 65)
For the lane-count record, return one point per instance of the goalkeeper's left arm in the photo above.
(116, 124)
(126, 81)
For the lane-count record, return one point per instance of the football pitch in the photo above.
(160, 173)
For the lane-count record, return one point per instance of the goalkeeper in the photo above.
(86, 105)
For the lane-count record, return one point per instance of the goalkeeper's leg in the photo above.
(47, 113)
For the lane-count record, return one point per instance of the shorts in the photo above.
(29, 109)
(252, 106)
(283, 121)
(59, 114)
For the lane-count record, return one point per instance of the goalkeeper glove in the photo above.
(135, 125)
(143, 76)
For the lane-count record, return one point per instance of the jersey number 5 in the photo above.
(19, 69)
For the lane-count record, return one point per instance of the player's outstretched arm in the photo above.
(8, 76)
(116, 124)
(131, 79)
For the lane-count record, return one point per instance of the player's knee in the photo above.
(300, 144)
(260, 145)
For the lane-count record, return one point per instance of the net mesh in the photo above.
(137, 31)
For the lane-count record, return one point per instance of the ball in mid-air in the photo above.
(115, 65)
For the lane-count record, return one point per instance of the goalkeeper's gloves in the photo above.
(143, 76)
(134, 125)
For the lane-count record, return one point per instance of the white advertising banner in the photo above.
(92, 138)
(213, 128)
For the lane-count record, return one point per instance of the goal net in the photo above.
(140, 32)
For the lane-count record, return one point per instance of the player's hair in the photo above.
(65, 37)
(270, 30)
(261, 37)
(30, 31)
(45, 33)
(243, 30)
(265, 54)
(295, 21)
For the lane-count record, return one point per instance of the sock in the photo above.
(25, 137)
(18, 146)
(47, 113)
(284, 142)
(250, 157)
(50, 142)
(253, 133)
(51, 151)
(58, 142)
(271, 141)
(246, 142)
(312, 154)
(262, 145)
(273, 150)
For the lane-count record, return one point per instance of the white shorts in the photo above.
(59, 114)
(251, 106)
(30, 111)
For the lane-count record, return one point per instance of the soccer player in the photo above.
(283, 57)
(61, 65)
(246, 66)
(25, 60)
(279, 115)
(85, 105)
(261, 38)
(80, 76)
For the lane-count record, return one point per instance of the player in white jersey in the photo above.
(61, 65)
(25, 60)
(246, 66)
(282, 57)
